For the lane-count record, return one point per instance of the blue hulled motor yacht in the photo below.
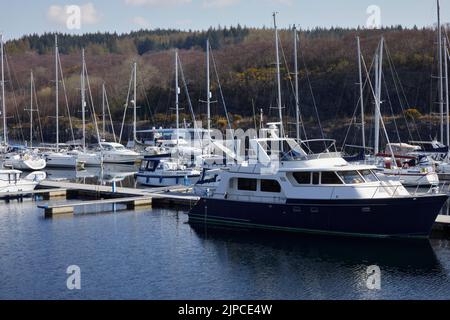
(294, 190)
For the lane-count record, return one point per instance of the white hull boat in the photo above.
(89, 159)
(25, 162)
(165, 173)
(10, 181)
(117, 153)
(61, 160)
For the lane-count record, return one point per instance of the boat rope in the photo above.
(63, 82)
(220, 88)
(10, 76)
(94, 115)
(126, 104)
(396, 79)
(293, 88)
(110, 116)
(189, 102)
(311, 91)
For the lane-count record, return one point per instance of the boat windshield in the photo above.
(351, 177)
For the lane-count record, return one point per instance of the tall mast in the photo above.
(177, 92)
(441, 84)
(135, 103)
(83, 99)
(280, 111)
(57, 92)
(208, 87)
(446, 90)
(103, 110)
(31, 109)
(297, 96)
(378, 81)
(361, 91)
(5, 131)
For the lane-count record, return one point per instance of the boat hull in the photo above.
(394, 217)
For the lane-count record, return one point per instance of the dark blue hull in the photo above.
(399, 217)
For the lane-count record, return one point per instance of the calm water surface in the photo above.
(156, 254)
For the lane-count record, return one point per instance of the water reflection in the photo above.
(397, 253)
(108, 174)
(329, 267)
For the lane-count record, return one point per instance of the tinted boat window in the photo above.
(351, 177)
(369, 175)
(330, 178)
(316, 177)
(302, 177)
(270, 186)
(247, 184)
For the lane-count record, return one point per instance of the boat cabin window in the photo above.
(144, 165)
(351, 177)
(270, 186)
(247, 184)
(330, 178)
(369, 176)
(302, 177)
(316, 177)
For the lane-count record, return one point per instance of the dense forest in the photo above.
(243, 60)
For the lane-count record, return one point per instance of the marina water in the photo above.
(157, 254)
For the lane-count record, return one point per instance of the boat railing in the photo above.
(325, 155)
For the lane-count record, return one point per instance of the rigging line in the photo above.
(396, 78)
(220, 87)
(8, 68)
(143, 91)
(110, 116)
(312, 92)
(358, 103)
(94, 116)
(381, 118)
(292, 86)
(63, 82)
(38, 111)
(189, 101)
(392, 110)
(126, 105)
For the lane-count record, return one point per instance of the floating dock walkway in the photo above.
(100, 195)
(176, 196)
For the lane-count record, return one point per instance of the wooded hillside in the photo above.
(245, 60)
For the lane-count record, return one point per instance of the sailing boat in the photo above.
(168, 172)
(399, 161)
(58, 158)
(25, 159)
(90, 159)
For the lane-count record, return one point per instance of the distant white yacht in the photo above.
(112, 152)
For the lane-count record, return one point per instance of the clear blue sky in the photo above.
(19, 17)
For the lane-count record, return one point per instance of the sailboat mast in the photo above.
(177, 92)
(135, 103)
(208, 86)
(5, 131)
(361, 91)
(57, 92)
(103, 110)
(297, 95)
(378, 81)
(31, 109)
(83, 100)
(280, 111)
(446, 90)
(441, 84)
